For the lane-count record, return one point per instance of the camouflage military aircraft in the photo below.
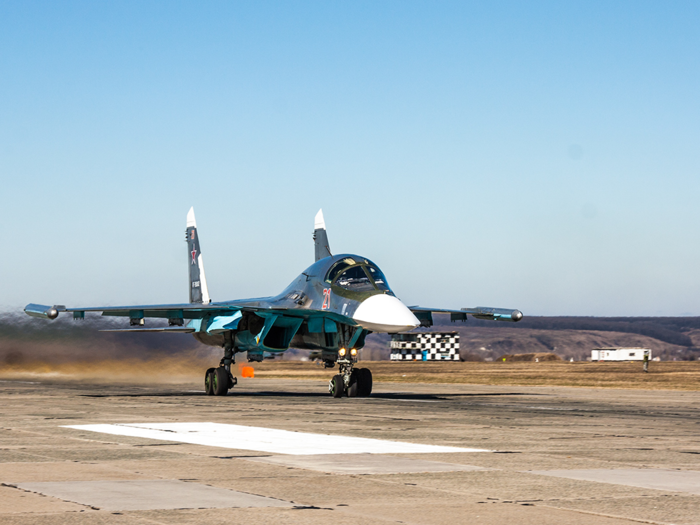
(330, 308)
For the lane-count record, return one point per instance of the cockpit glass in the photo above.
(355, 279)
(378, 277)
(339, 267)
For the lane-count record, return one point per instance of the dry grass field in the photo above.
(673, 375)
(668, 375)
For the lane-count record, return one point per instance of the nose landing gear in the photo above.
(360, 383)
(337, 386)
(353, 382)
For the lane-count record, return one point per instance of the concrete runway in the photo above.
(552, 455)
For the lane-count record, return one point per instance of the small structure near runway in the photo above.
(620, 354)
(425, 346)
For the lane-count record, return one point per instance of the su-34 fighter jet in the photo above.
(329, 308)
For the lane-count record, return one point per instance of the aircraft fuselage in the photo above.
(350, 292)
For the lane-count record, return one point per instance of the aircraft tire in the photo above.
(364, 382)
(208, 380)
(354, 388)
(337, 387)
(220, 381)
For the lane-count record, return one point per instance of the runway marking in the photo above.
(265, 439)
(648, 478)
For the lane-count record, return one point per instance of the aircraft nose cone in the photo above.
(385, 313)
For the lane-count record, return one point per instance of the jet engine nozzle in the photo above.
(39, 310)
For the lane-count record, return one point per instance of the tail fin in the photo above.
(199, 293)
(320, 237)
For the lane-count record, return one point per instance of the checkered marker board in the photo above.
(438, 346)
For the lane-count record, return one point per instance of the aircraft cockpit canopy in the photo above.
(357, 275)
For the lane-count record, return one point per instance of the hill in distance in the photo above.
(24, 339)
(670, 338)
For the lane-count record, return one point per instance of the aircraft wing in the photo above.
(137, 311)
(425, 315)
(187, 317)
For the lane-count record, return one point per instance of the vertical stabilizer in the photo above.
(320, 237)
(199, 293)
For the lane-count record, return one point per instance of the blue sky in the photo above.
(538, 155)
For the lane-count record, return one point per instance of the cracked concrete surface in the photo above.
(586, 433)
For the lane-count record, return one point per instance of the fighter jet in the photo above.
(329, 308)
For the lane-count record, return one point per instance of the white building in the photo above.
(425, 346)
(619, 354)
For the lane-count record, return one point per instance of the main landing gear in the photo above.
(353, 382)
(218, 381)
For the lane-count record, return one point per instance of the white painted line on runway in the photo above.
(266, 439)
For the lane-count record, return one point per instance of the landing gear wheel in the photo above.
(336, 387)
(208, 380)
(354, 387)
(220, 381)
(364, 382)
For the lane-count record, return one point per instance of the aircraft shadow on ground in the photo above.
(380, 395)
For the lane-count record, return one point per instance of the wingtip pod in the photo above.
(496, 314)
(319, 223)
(191, 222)
(39, 310)
(511, 316)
